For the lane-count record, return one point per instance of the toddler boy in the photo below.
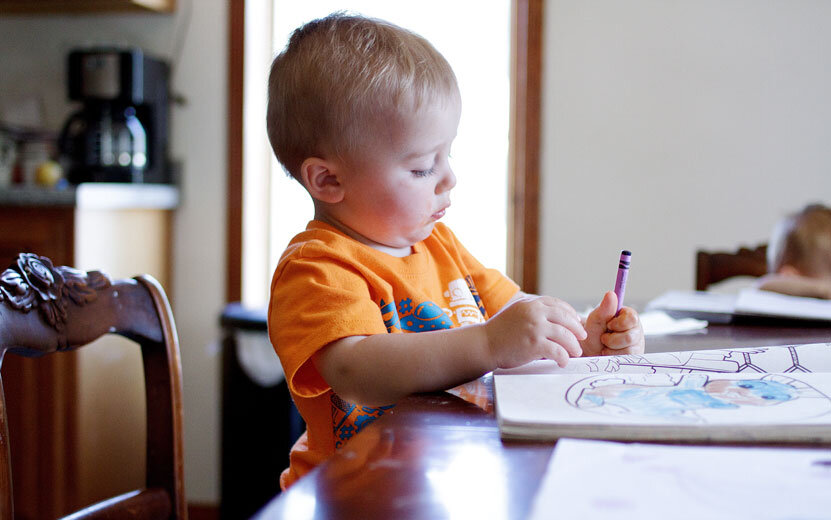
(363, 113)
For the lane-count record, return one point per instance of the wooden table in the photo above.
(438, 456)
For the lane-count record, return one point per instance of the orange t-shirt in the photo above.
(328, 286)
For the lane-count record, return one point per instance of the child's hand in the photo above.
(610, 335)
(534, 327)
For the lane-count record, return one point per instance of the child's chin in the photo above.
(428, 229)
(411, 239)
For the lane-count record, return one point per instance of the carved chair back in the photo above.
(46, 309)
(715, 266)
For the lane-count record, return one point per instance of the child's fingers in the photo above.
(565, 338)
(627, 319)
(558, 354)
(565, 316)
(621, 340)
(561, 305)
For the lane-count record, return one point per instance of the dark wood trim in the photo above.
(236, 49)
(524, 155)
(39, 391)
(203, 511)
(40, 7)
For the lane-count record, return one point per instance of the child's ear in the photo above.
(321, 180)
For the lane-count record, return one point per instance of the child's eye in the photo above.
(423, 173)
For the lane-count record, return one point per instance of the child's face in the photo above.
(398, 188)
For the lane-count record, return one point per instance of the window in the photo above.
(491, 209)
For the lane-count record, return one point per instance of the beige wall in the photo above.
(110, 396)
(670, 126)
(32, 54)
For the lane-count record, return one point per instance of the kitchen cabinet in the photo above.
(55, 403)
(84, 6)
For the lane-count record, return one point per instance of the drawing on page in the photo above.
(779, 359)
(700, 398)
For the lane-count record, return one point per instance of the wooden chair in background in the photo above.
(713, 267)
(46, 309)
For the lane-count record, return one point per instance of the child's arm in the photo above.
(612, 335)
(796, 285)
(383, 368)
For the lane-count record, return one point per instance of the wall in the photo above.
(672, 126)
(32, 60)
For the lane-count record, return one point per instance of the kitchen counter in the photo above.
(94, 195)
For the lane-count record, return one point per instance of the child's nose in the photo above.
(447, 181)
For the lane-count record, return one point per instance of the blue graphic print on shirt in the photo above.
(424, 317)
(348, 419)
(475, 294)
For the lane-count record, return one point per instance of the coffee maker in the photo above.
(120, 134)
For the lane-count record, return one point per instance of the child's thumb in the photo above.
(607, 308)
(604, 312)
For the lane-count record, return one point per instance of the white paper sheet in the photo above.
(766, 303)
(597, 479)
(717, 307)
(694, 301)
(659, 322)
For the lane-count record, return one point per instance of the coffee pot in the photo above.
(120, 132)
(105, 143)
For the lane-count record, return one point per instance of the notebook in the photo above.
(760, 394)
(747, 303)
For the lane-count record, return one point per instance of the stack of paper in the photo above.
(723, 308)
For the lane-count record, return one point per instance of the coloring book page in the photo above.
(741, 407)
(780, 394)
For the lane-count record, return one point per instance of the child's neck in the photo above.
(399, 252)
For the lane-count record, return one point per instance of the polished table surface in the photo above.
(440, 456)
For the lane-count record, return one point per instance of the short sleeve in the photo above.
(313, 303)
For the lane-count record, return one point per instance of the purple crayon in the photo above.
(622, 274)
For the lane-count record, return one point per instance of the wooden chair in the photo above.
(713, 267)
(46, 309)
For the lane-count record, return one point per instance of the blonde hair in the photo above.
(342, 75)
(803, 240)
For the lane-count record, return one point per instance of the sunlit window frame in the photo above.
(524, 146)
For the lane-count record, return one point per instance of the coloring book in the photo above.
(758, 394)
